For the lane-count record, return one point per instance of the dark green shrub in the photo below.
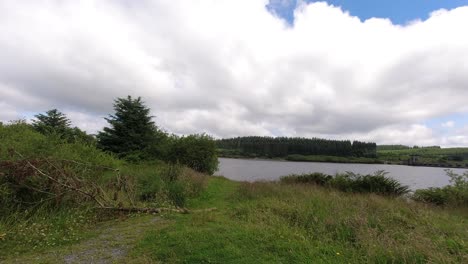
(195, 151)
(312, 178)
(437, 196)
(453, 195)
(349, 182)
(375, 183)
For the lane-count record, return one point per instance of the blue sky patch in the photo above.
(398, 11)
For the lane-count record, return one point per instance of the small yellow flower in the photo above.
(338, 253)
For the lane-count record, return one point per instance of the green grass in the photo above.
(277, 223)
(34, 232)
(269, 222)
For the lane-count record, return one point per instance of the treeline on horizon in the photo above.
(401, 147)
(284, 146)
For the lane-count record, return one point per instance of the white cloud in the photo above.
(448, 124)
(232, 68)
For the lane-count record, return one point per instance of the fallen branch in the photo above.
(58, 182)
(155, 210)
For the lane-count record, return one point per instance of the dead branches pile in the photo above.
(37, 181)
(33, 182)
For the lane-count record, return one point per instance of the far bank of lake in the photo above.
(254, 170)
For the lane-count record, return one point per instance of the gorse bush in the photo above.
(452, 195)
(350, 182)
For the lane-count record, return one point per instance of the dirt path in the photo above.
(112, 244)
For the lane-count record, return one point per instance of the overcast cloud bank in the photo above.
(232, 68)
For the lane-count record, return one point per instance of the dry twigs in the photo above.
(56, 179)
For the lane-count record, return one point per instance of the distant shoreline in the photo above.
(346, 160)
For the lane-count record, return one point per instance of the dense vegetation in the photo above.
(57, 184)
(284, 146)
(56, 180)
(133, 136)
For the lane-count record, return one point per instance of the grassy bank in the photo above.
(283, 223)
(272, 222)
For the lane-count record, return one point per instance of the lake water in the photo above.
(257, 170)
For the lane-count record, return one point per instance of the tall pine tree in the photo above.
(131, 129)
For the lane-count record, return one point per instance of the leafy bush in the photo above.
(453, 195)
(313, 178)
(437, 196)
(350, 182)
(195, 151)
(375, 183)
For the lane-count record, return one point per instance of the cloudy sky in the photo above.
(382, 71)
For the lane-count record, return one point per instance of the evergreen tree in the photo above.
(53, 121)
(131, 129)
(57, 123)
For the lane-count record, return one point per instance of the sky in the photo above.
(398, 11)
(391, 72)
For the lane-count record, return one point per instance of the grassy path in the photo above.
(111, 242)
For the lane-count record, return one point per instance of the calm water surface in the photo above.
(254, 170)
